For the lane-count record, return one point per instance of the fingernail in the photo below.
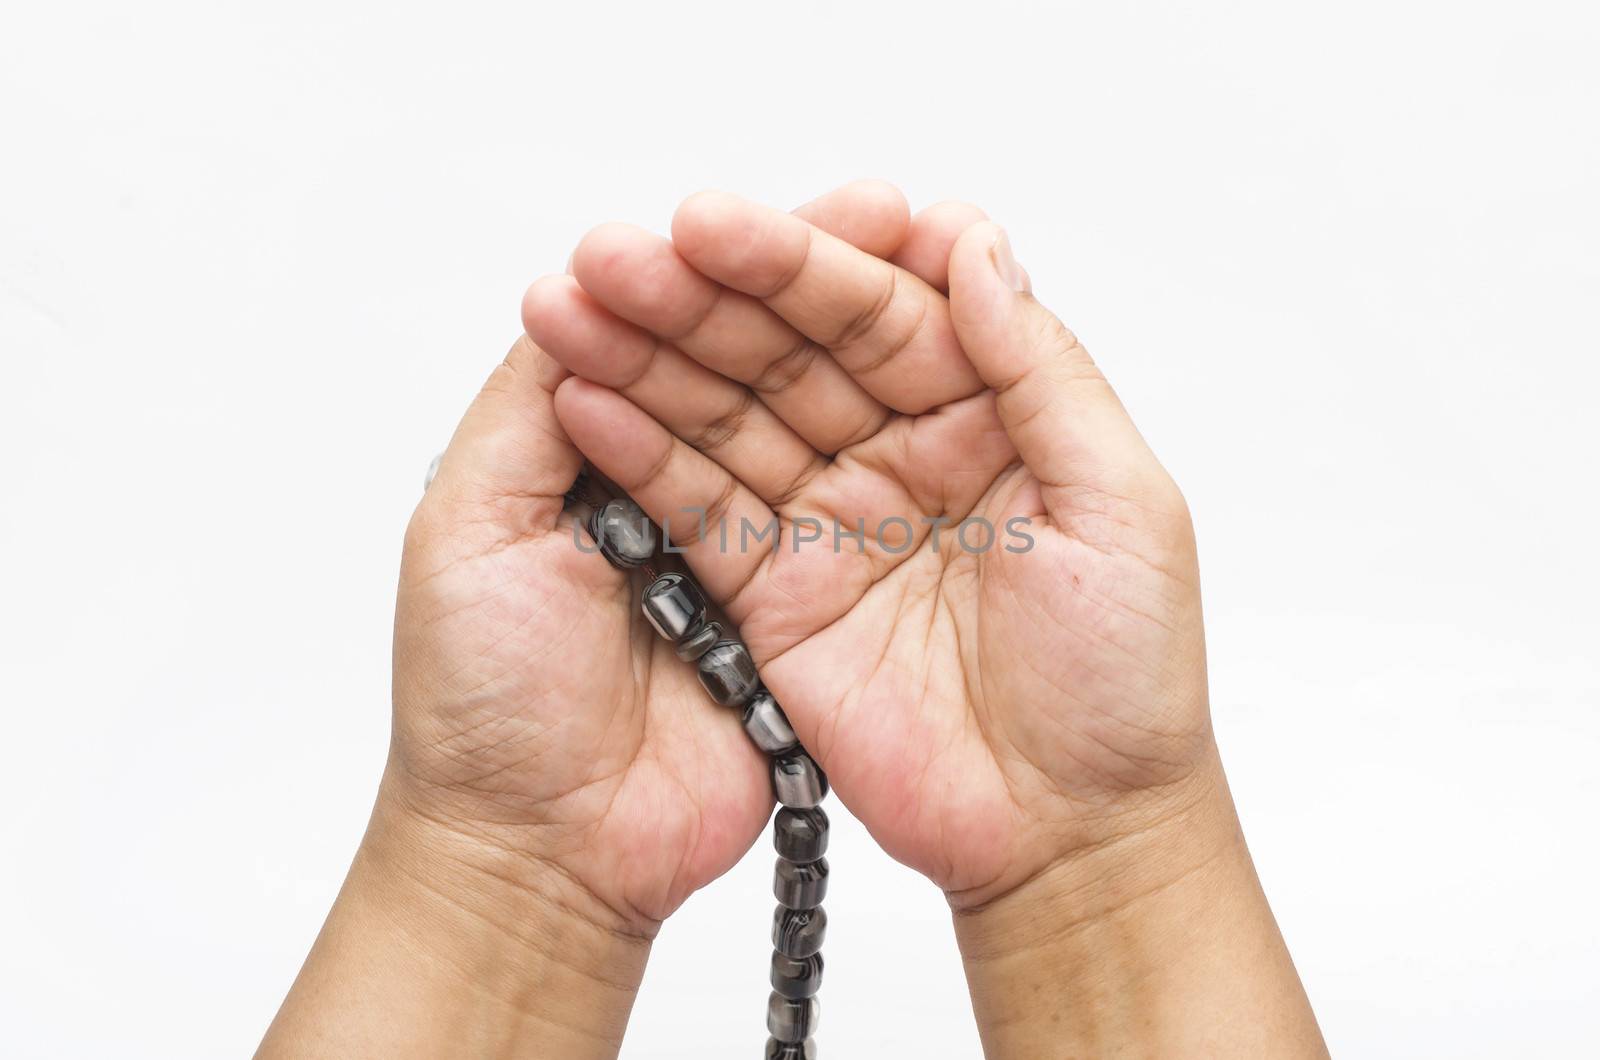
(1005, 263)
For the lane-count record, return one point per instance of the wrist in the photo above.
(1157, 939)
(1130, 854)
(445, 942)
(530, 907)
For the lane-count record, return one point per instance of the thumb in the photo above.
(1061, 414)
(509, 463)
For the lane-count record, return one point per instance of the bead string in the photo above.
(676, 608)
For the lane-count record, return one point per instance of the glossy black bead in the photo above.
(800, 886)
(797, 979)
(729, 673)
(798, 782)
(798, 932)
(800, 835)
(675, 606)
(699, 642)
(776, 1050)
(792, 1021)
(625, 535)
(767, 725)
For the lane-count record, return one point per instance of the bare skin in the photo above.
(985, 713)
(556, 786)
(1028, 727)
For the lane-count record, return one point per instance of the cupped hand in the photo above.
(535, 712)
(1030, 687)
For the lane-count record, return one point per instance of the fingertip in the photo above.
(700, 214)
(883, 198)
(543, 303)
(578, 389)
(739, 243)
(878, 188)
(972, 271)
(951, 216)
(509, 446)
(980, 232)
(931, 235)
(982, 257)
(640, 277)
(616, 436)
(580, 410)
(984, 302)
(580, 335)
(604, 247)
(575, 400)
(595, 403)
(526, 356)
(871, 215)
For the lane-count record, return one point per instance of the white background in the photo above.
(1340, 259)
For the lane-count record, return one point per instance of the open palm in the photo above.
(535, 710)
(1032, 685)
(532, 707)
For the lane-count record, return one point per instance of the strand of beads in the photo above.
(676, 608)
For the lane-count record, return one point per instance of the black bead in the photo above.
(776, 1050)
(767, 725)
(792, 1021)
(699, 642)
(797, 979)
(798, 782)
(674, 605)
(800, 886)
(800, 835)
(798, 932)
(625, 535)
(729, 673)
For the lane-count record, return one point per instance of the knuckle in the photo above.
(721, 430)
(722, 503)
(869, 317)
(897, 340)
(784, 371)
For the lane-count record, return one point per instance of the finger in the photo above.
(871, 215)
(930, 237)
(691, 496)
(641, 278)
(1062, 415)
(710, 412)
(509, 462)
(889, 329)
(864, 518)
